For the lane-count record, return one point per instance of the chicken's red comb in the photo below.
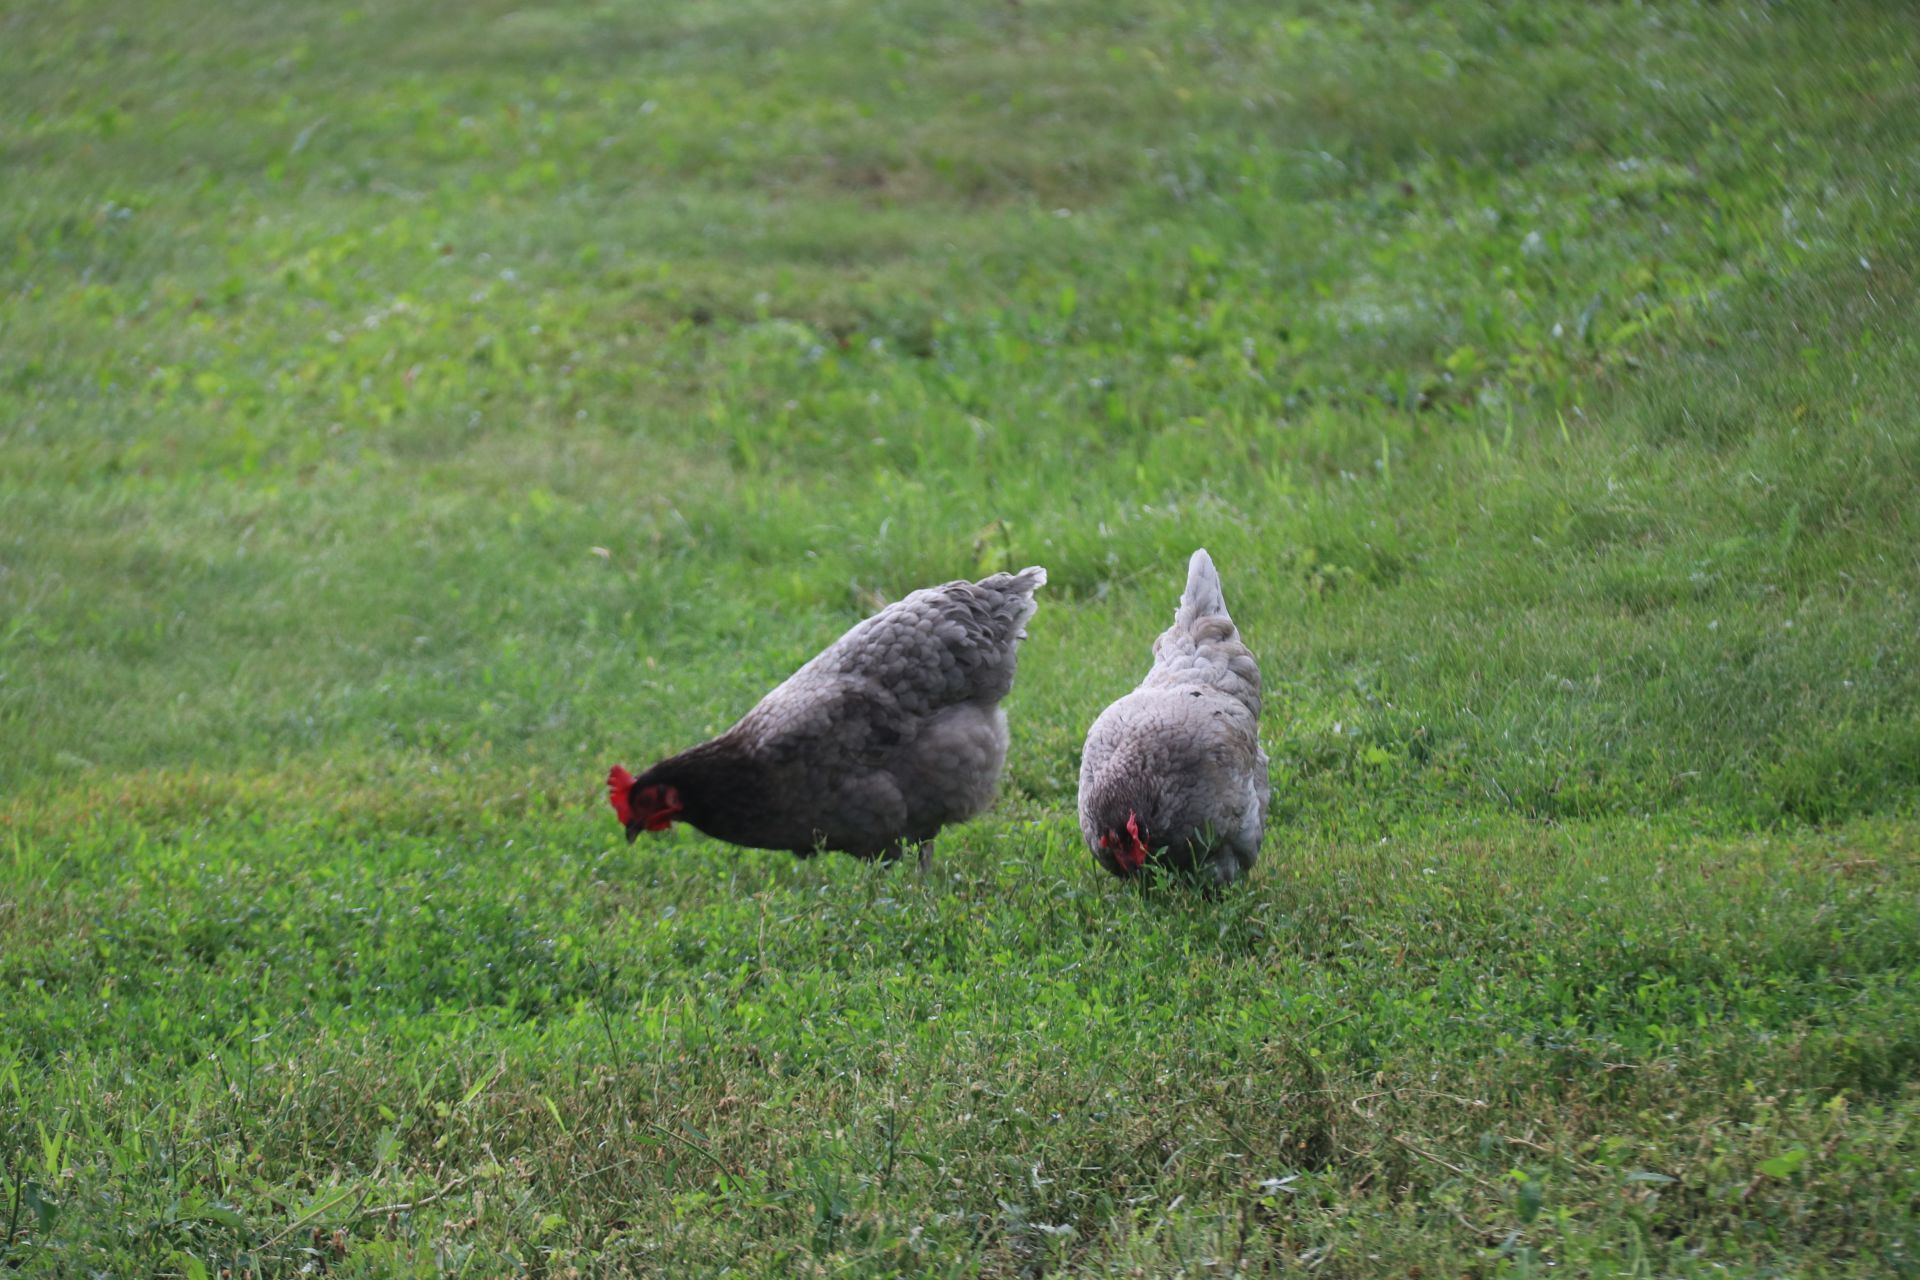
(619, 785)
(1134, 856)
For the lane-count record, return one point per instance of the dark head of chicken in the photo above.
(642, 808)
(1129, 853)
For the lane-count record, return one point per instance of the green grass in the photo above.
(407, 411)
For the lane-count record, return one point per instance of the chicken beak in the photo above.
(633, 831)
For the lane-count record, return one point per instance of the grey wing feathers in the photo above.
(936, 648)
(1203, 646)
(895, 729)
(941, 645)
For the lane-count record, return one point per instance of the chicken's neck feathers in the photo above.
(704, 773)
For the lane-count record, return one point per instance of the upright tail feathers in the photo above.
(1023, 584)
(1203, 646)
(1202, 598)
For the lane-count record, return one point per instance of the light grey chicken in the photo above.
(890, 734)
(1173, 772)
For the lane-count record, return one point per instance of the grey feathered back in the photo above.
(942, 645)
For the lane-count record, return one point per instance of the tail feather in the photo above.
(1202, 598)
(1203, 646)
(1029, 579)
(1020, 586)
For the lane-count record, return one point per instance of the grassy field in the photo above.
(408, 410)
